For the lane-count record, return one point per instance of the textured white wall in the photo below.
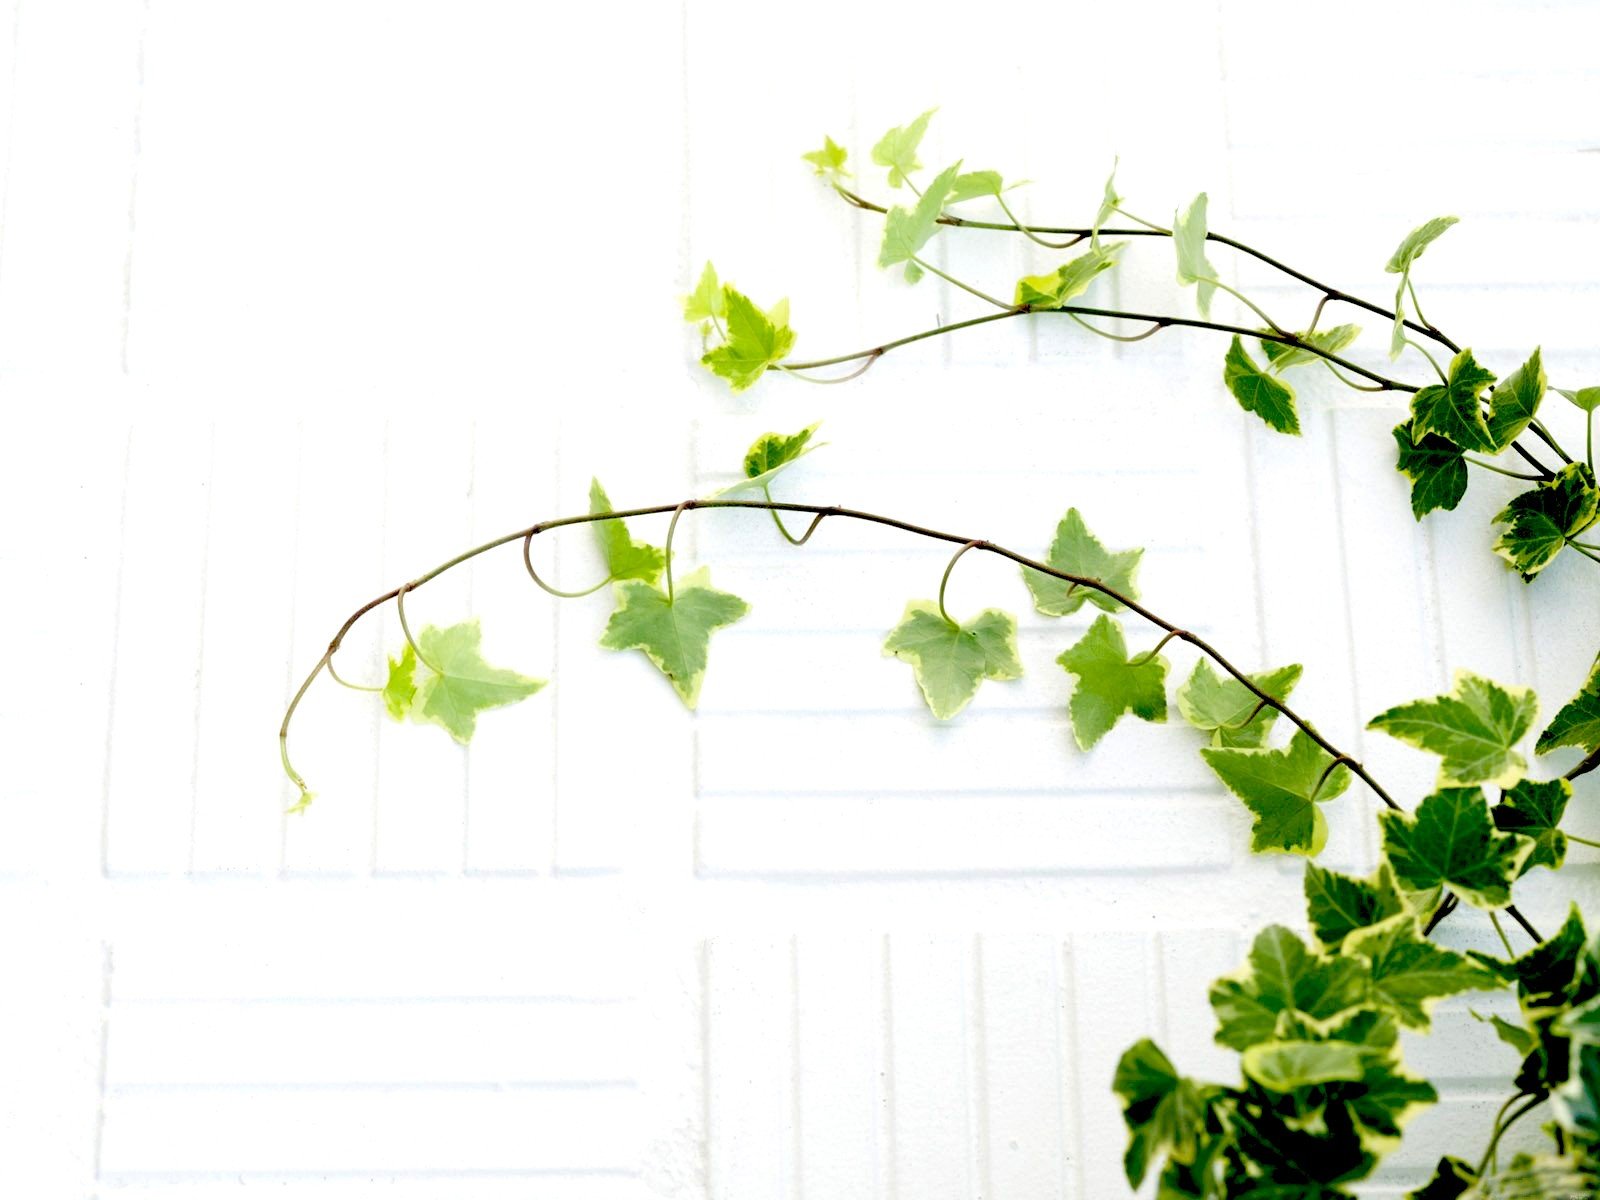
(297, 300)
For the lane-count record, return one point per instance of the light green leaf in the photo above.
(1578, 722)
(1283, 977)
(768, 456)
(1256, 391)
(1071, 279)
(1415, 242)
(1587, 398)
(950, 660)
(905, 232)
(1227, 710)
(897, 149)
(829, 160)
(1285, 1066)
(1108, 206)
(1165, 1112)
(706, 302)
(1535, 810)
(1451, 842)
(1539, 522)
(1339, 905)
(1078, 552)
(754, 343)
(1331, 341)
(1189, 239)
(1515, 401)
(400, 689)
(1281, 787)
(1518, 1037)
(1454, 409)
(673, 634)
(624, 557)
(1473, 729)
(1410, 975)
(1436, 468)
(973, 184)
(453, 683)
(1109, 684)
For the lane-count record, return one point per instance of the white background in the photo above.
(298, 300)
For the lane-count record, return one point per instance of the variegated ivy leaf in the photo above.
(1410, 974)
(897, 149)
(756, 341)
(1069, 280)
(1189, 239)
(1436, 467)
(706, 302)
(907, 231)
(1515, 401)
(1451, 841)
(1258, 391)
(1588, 399)
(624, 557)
(1111, 683)
(1164, 1111)
(1578, 722)
(829, 160)
(1230, 712)
(1339, 905)
(1409, 250)
(1454, 409)
(1284, 982)
(951, 659)
(1288, 1066)
(450, 684)
(1538, 523)
(1283, 789)
(970, 185)
(1078, 552)
(673, 632)
(1331, 341)
(1534, 810)
(768, 456)
(1474, 730)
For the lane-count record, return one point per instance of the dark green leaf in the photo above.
(1256, 391)
(1454, 409)
(768, 455)
(1338, 905)
(1078, 552)
(1164, 1111)
(1451, 1179)
(1109, 684)
(1436, 467)
(1539, 522)
(1410, 975)
(1330, 341)
(1282, 788)
(1451, 841)
(1515, 401)
(1535, 810)
(1578, 722)
(1232, 714)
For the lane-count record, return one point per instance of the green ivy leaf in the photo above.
(1223, 707)
(1283, 977)
(1078, 552)
(829, 160)
(706, 302)
(973, 184)
(1539, 522)
(624, 557)
(754, 342)
(1549, 976)
(1339, 905)
(1189, 239)
(1578, 722)
(1454, 409)
(950, 660)
(1452, 1178)
(906, 232)
(674, 634)
(1070, 280)
(1165, 1112)
(1587, 398)
(1415, 242)
(1473, 729)
(1109, 684)
(1288, 1066)
(1535, 810)
(897, 149)
(1281, 787)
(1108, 205)
(400, 688)
(1515, 401)
(768, 456)
(1330, 341)
(1410, 975)
(1256, 391)
(450, 684)
(1451, 841)
(1436, 467)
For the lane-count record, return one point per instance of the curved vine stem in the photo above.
(944, 581)
(819, 511)
(400, 608)
(527, 561)
(354, 687)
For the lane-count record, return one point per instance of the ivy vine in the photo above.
(1322, 1093)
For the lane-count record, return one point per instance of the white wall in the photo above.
(297, 300)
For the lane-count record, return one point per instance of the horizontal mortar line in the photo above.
(366, 1175)
(991, 792)
(374, 1001)
(836, 877)
(185, 1087)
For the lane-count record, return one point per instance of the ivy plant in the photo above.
(1321, 1093)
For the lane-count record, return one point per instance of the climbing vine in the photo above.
(1322, 1093)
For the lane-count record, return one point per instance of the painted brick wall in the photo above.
(298, 300)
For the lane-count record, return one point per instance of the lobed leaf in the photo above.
(1410, 975)
(1109, 684)
(1258, 391)
(1223, 707)
(1165, 1112)
(451, 683)
(1534, 810)
(674, 633)
(706, 302)
(1538, 523)
(1473, 730)
(1451, 841)
(769, 455)
(755, 341)
(1515, 401)
(1078, 552)
(949, 659)
(897, 149)
(906, 231)
(1454, 409)
(1339, 905)
(624, 557)
(1284, 981)
(1070, 280)
(1330, 341)
(1578, 722)
(1436, 467)
(1282, 788)
(829, 160)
